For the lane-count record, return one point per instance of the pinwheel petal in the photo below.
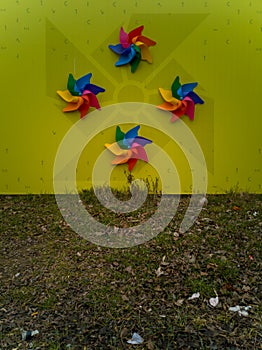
(74, 106)
(119, 134)
(185, 89)
(131, 135)
(148, 42)
(83, 109)
(91, 98)
(174, 88)
(123, 38)
(195, 97)
(131, 163)
(136, 60)
(187, 107)
(122, 159)
(190, 109)
(119, 49)
(139, 152)
(168, 97)
(71, 83)
(95, 89)
(182, 108)
(115, 149)
(167, 106)
(142, 141)
(126, 57)
(82, 82)
(145, 53)
(135, 32)
(66, 96)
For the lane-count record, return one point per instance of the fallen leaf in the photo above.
(159, 272)
(163, 262)
(123, 333)
(179, 302)
(194, 296)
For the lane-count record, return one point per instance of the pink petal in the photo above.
(123, 38)
(89, 96)
(139, 153)
(190, 110)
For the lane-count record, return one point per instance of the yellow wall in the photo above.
(217, 43)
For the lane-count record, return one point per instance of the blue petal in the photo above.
(131, 135)
(142, 141)
(126, 57)
(185, 89)
(195, 97)
(119, 49)
(94, 88)
(77, 92)
(82, 82)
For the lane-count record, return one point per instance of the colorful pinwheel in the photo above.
(129, 147)
(80, 94)
(180, 100)
(133, 48)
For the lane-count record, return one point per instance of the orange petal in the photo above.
(73, 106)
(167, 106)
(122, 159)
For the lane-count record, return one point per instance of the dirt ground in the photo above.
(78, 295)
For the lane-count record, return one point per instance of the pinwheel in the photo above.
(129, 147)
(133, 48)
(80, 94)
(180, 100)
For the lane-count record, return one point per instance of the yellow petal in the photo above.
(114, 148)
(66, 96)
(167, 96)
(145, 53)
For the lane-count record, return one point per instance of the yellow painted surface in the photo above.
(216, 43)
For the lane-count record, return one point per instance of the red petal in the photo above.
(131, 163)
(146, 40)
(92, 99)
(83, 109)
(135, 32)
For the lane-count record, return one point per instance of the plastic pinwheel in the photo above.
(80, 94)
(129, 147)
(133, 48)
(180, 100)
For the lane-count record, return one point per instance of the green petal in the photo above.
(136, 60)
(119, 134)
(175, 86)
(71, 85)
